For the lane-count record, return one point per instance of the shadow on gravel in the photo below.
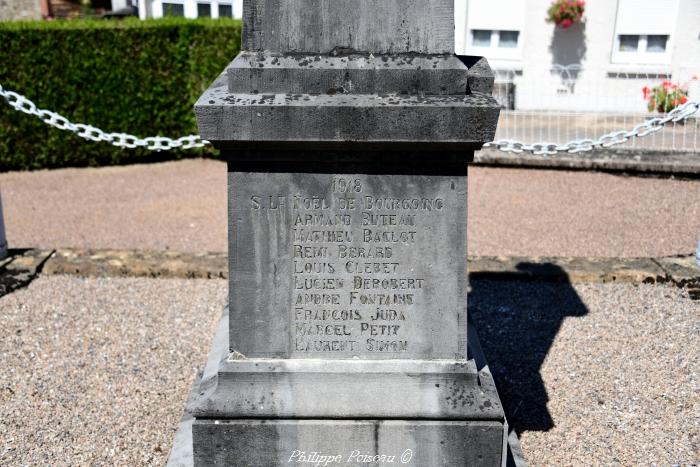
(19, 269)
(517, 321)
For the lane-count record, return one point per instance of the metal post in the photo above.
(3, 239)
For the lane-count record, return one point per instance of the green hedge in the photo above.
(138, 77)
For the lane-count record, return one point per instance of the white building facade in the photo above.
(189, 8)
(600, 64)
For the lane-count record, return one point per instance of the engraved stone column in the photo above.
(348, 126)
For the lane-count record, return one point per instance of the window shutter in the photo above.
(500, 15)
(646, 16)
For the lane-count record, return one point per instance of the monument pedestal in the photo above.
(477, 436)
(348, 126)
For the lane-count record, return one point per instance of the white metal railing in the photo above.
(572, 103)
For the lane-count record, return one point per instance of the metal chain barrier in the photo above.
(160, 143)
(648, 127)
(122, 140)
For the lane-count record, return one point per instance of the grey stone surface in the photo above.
(372, 71)
(480, 75)
(315, 388)
(349, 74)
(181, 454)
(350, 265)
(348, 125)
(253, 443)
(322, 26)
(225, 117)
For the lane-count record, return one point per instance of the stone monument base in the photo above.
(265, 443)
(474, 432)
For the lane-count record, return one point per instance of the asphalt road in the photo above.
(181, 206)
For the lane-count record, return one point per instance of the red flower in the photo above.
(565, 13)
(646, 91)
(684, 99)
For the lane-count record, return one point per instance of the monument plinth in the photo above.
(347, 126)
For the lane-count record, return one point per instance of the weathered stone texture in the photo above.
(257, 443)
(348, 265)
(323, 26)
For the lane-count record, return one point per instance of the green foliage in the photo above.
(138, 77)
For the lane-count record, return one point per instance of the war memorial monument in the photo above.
(347, 126)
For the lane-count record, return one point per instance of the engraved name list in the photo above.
(357, 282)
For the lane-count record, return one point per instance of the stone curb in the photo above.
(680, 270)
(623, 160)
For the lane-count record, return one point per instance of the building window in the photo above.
(495, 36)
(644, 31)
(656, 44)
(508, 39)
(225, 11)
(628, 43)
(481, 38)
(203, 10)
(651, 44)
(173, 9)
(495, 39)
(197, 8)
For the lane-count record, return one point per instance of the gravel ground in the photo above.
(595, 374)
(96, 371)
(181, 206)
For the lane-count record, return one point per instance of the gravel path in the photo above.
(96, 371)
(595, 374)
(181, 206)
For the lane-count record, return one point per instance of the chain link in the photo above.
(122, 140)
(161, 143)
(648, 127)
